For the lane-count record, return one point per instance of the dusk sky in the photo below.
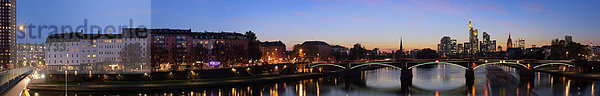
(373, 23)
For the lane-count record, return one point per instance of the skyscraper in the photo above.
(474, 41)
(8, 40)
(486, 43)
(521, 43)
(453, 47)
(444, 46)
(508, 42)
(493, 46)
(568, 38)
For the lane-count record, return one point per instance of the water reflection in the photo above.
(427, 80)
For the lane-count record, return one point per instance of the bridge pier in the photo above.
(405, 73)
(470, 72)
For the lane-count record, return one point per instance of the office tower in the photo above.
(8, 33)
(453, 46)
(568, 38)
(521, 43)
(486, 45)
(460, 48)
(444, 46)
(508, 42)
(467, 47)
(474, 41)
(493, 46)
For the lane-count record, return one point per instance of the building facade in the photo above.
(473, 41)
(273, 52)
(8, 32)
(71, 51)
(30, 54)
(312, 51)
(180, 49)
(521, 43)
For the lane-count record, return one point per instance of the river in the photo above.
(427, 80)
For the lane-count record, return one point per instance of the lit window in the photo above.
(93, 55)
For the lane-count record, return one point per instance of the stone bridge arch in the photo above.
(429, 63)
(327, 64)
(554, 63)
(507, 63)
(382, 64)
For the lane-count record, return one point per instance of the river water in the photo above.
(427, 80)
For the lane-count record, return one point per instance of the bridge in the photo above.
(525, 68)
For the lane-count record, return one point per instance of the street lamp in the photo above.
(21, 27)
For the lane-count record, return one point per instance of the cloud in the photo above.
(248, 21)
(441, 6)
(303, 14)
(490, 6)
(364, 18)
(533, 6)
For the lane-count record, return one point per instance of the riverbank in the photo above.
(588, 76)
(163, 86)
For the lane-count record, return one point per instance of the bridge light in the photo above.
(517, 61)
(486, 61)
(233, 69)
(437, 61)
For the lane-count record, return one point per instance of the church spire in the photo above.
(401, 44)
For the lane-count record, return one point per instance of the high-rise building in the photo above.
(508, 42)
(486, 43)
(467, 47)
(453, 46)
(474, 41)
(460, 49)
(521, 43)
(444, 46)
(568, 38)
(493, 46)
(8, 32)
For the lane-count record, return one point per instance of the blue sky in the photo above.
(373, 23)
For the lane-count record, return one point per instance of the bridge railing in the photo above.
(11, 77)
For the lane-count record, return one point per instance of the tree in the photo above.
(130, 56)
(568, 50)
(558, 49)
(227, 54)
(399, 54)
(358, 52)
(199, 53)
(254, 52)
(427, 54)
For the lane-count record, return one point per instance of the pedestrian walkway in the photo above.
(18, 88)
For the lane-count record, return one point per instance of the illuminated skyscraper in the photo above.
(521, 43)
(444, 46)
(8, 32)
(453, 47)
(486, 43)
(474, 41)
